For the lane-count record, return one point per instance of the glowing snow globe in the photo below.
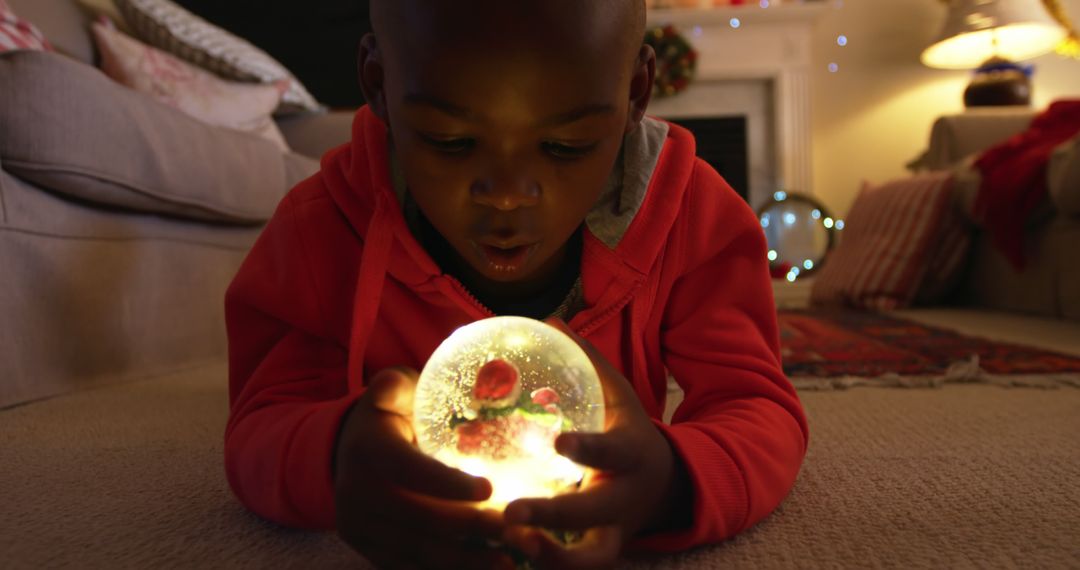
(494, 396)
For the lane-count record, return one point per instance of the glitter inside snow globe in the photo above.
(494, 396)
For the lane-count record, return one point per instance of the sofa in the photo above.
(123, 216)
(117, 243)
(1049, 283)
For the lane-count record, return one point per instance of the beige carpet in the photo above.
(961, 477)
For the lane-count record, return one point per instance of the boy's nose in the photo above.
(506, 192)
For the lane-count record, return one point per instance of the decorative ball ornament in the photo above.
(494, 396)
(676, 60)
(800, 233)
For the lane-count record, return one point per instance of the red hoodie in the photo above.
(337, 288)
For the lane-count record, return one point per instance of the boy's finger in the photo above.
(599, 548)
(596, 506)
(429, 517)
(378, 555)
(406, 466)
(391, 390)
(385, 451)
(454, 556)
(604, 451)
(391, 544)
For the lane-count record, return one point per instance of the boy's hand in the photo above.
(638, 483)
(399, 507)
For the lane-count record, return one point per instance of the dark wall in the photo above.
(316, 39)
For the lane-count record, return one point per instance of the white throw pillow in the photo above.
(199, 93)
(170, 27)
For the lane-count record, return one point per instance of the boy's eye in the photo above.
(565, 151)
(449, 145)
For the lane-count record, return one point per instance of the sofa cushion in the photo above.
(62, 22)
(170, 27)
(1064, 177)
(17, 33)
(91, 297)
(69, 128)
(886, 247)
(199, 93)
(1049, 283)
(954, 137)
(313, 134)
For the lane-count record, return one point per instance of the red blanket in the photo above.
(1014, 177)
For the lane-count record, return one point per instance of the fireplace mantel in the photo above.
(779, 12)
(771, 45)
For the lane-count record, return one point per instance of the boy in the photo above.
(504, 166)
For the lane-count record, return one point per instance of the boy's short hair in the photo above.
(389, 16)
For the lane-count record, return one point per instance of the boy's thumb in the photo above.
(391, 390)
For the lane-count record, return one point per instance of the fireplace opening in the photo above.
(735, 126)
(722, 142)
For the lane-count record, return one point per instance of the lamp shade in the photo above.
(977, 30)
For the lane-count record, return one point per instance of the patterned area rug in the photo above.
(826, 349)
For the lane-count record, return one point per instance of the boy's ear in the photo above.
(641, 86)
(369, 67)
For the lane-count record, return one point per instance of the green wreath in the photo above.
(676, 60)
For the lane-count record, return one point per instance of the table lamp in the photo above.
(991, 37)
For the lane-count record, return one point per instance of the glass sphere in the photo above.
(799, 230)
(493, 397)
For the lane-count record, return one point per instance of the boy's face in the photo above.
(507, 119)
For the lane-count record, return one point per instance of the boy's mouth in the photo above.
(506, 259)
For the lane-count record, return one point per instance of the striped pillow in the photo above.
(166, 25)
(18, 34)
(195, 91)
(886, 248)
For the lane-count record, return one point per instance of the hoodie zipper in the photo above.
(600, 319)
(469, 297)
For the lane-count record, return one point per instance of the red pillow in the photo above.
(18, 34)
(888, 244)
